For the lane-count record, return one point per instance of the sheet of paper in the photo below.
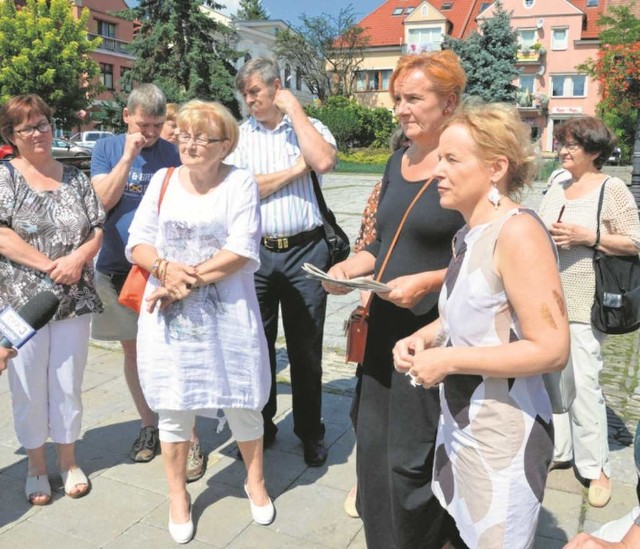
(359, 283)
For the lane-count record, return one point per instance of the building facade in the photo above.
(555, 37)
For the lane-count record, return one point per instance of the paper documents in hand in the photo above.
(360, 282)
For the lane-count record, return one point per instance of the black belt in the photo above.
(284, 243)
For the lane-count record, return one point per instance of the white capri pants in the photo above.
(582, 431)
(46, 383)
(176, 425)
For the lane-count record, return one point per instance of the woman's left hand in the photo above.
(430, 366)
(179, 279)
(160, 296)
(66, 270)
(406, 290)
(570, 234)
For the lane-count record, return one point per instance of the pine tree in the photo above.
(251, 10)
(44, 49)
(489, 57)
(182, 49)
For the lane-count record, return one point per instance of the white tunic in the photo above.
(208, 350)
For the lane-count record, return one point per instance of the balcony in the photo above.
(531, 56)
(112, 45)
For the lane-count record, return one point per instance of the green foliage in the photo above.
(617, 69)
(327, 49)
(44, 49)
(352, 124)
(110, 114)
(489, 57)
(251, 10)
(184, 51)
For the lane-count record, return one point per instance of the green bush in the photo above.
(352, 124)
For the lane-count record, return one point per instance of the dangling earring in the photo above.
(494, 196)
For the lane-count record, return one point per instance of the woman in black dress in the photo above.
(396, 425)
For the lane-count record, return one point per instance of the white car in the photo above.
(88, 139)
(63, 147)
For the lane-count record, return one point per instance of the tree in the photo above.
(44, 49)
(489, 57)
(327, 50)
(617, 68)
(352, 124)
(251, 10)
(182, 49)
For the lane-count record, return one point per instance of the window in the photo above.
(526, 82)
(298, 78)
(446, 6)
(408, 10)
(559, 39)
(106, 75)
(287, 76)
(568, 85)
(484, 6)
(529, 3)
(106, 29)
(373, 80)
(592, 3)
(397, 11)
(426, 36)
(526, 38)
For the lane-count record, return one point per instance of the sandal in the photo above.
(71, 479)
(35, 486)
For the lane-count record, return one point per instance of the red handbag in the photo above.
(356, 326)
(133, 288)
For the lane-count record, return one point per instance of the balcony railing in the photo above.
(112, 44)
(530, 55)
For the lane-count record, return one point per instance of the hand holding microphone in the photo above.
(18, 327)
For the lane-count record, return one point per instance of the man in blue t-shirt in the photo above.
(121, 167)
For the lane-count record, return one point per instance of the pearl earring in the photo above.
(494, 196)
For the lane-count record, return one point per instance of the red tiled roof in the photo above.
(386, 29)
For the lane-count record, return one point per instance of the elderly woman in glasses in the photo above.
(50, 231)
(569, 209)
(201, 345)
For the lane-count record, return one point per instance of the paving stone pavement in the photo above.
(128, 505)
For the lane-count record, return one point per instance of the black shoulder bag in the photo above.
(339, 247)
(616, 309)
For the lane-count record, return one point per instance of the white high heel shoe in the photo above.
(181, 533)
(262, 514)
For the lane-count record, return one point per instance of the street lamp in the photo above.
(633, 86)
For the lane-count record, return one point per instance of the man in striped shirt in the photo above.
(280, 145)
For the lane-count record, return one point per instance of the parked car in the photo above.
(88, 139)
(615, 157)
(6, 152)
(63, 147)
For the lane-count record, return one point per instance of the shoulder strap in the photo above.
(165, 183)
(318, 192)
(600, 201)
(395, 237)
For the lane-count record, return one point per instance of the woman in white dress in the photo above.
(201, 344)
(502, 324)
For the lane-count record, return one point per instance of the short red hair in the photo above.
(442, 68)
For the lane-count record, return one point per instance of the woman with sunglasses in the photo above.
(50, 231)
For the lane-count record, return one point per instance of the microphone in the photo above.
(36, 313)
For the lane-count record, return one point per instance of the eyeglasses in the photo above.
(571, 147)
(184, 138)
(27, 131)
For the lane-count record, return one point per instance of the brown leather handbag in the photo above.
(356, 326)
(133, 288)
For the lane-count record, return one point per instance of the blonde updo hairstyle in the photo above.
(203, 116)
(498, 130)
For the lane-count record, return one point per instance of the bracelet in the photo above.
(162, 271)
(154, 267)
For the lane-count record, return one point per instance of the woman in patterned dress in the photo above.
(585, 144)
(201, 345)
(502, 324)
(50, 231)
